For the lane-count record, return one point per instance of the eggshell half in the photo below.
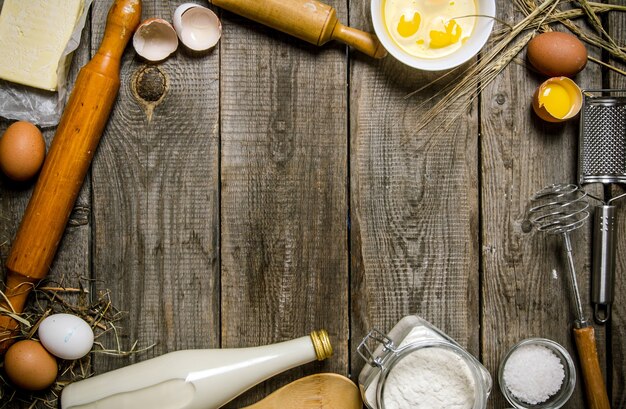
(155, 39)
(66, 336)
(198, 28)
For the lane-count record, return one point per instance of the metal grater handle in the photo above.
(603, 262)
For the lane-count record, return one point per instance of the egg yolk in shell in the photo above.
(429, 28)
(556, 100)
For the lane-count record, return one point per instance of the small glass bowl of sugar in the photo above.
(537, 373)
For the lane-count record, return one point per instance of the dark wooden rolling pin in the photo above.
(308, 20)
(66, 165)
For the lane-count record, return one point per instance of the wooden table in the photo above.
(271, 188)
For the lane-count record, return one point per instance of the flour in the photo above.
(429, 378)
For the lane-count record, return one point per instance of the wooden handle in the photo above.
(308, 20)
(595, 389)
(365, 42)
(66, 165)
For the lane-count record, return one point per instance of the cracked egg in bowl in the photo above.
(433, 35)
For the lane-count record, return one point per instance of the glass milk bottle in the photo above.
(193, 379)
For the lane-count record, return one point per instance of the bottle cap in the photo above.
(321, 343)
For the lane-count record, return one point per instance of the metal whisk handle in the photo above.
(561, 209)
(595, 389)
(581, 321)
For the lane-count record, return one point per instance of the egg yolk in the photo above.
(408, 28)
(429, 28)
(556, 100)
(440, 39)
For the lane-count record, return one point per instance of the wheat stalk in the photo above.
(594, 40)
(609, 66)
(615, 50)
(484, 70)
(508, 43)
(563, 15)
(596, 23)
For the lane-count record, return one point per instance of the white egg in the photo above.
(66, 336)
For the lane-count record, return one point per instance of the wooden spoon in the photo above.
(319, 391)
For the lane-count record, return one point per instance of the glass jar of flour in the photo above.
(419, 367)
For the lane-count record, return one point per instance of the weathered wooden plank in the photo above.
(525, 289)
(617, 29)
(284, 204)
(155, 199)
(414, 209)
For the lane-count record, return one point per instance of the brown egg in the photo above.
(29, 366)
(557, 54)
(22, 150)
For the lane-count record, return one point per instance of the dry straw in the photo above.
(506, 43)
(51, 298)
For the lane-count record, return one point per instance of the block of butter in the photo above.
(33, 35)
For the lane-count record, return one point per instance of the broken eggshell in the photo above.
(198, 28)
(557, 99)
(155, 39)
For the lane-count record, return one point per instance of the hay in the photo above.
(52, 298)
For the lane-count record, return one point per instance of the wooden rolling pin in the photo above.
(66, 165)
(308, 20)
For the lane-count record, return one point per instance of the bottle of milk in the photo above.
(193, 379)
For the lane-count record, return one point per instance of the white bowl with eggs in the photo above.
(433, 35)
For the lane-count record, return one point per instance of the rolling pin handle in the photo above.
(367, 43)
(16, 292)
(124, 16)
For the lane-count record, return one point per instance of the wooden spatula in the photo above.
(319, 391)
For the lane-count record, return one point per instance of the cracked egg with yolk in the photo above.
(557, 99)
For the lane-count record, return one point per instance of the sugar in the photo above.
(533, 374)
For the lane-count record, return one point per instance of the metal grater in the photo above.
(603, 140)
(602, 159)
